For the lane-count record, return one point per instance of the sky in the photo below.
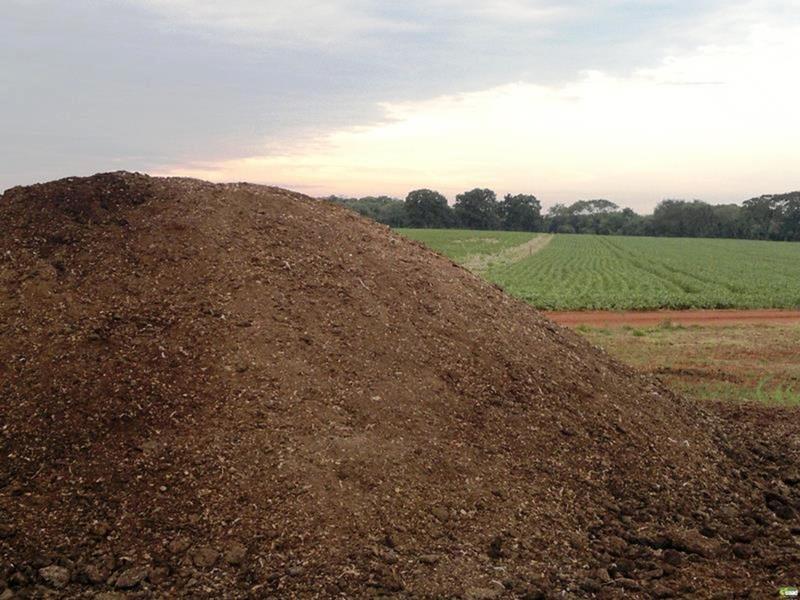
(630, 101)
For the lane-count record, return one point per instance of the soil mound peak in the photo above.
(235, 390)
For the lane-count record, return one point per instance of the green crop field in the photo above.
(462, 244)
(573, 272)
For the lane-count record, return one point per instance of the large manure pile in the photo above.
(237, 391)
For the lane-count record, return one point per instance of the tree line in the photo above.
(770, 217)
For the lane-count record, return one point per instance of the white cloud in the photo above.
(718, 123)
(514, 10)
(271, 22)
(319, 22)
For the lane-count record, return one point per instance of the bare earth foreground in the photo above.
(236, 391)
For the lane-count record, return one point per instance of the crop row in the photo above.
(608, 272)
(461, 244)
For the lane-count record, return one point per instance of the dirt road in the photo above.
(601, 318)
(480, 262)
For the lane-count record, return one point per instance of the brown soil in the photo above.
(603, 318)
(236, 391)
(694, 373)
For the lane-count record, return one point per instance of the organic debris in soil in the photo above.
(238, 391)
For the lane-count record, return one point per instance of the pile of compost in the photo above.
(238, 391)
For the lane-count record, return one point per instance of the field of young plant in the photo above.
(574, 272)
(462, 244)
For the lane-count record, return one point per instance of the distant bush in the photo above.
(772, 217)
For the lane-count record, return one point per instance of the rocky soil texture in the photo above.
(237, 391)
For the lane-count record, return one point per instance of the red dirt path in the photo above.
(601, 318)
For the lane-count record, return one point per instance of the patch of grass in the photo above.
(718, 390)
(461, 244)
(667, 325)
(738, 364)
(591, 331)
(781, 395)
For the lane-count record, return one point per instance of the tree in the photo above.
(729, 221)
(383, 209)
(427, 208)
(558, 219)
(478, 209)
(629, 223)
(761, 217)
(773, 217)
(393, 215)
(685, 219)
(790, 213)
(593, 207)
(769, 217)
(586, 216)
(522, 212)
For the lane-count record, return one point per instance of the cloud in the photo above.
(278, 23)
(141, 84)
(637, 138)
(348, 22)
